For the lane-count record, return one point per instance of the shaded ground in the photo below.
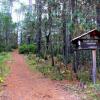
(22, 84)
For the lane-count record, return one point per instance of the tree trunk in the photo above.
(98, 14)
(39, 33)
(74, 21)
(64, 32)
(73, 6)
(49, 41)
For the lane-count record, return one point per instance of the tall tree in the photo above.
(49, 40)
(39, 21)
(98, 14)
(65, 53)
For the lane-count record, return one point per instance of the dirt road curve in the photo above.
(22, 84)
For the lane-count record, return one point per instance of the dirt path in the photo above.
(22, 84)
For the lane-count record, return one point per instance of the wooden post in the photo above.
(75, 62)
(94, 66)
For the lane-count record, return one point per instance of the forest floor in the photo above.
(22, 84)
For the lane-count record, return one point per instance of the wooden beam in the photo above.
(83, 35)
(88, 39)
(94, 66)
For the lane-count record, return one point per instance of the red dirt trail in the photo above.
(22, 84)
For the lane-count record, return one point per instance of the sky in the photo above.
(16, 5)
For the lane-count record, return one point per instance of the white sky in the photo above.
(16, 5)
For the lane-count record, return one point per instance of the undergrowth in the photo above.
(44, 67)
(4, 70)
(88, 90)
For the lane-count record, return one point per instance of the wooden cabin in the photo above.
(89, 40)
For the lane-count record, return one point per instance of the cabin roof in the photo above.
(91, 32)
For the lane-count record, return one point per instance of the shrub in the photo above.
(1, 48)
(84, 76)
(50, 71)
(26, 49)
(9, 47)
(46, 70)
(97, 87)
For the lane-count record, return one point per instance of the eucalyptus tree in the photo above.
(39, 21)
(64, 31)
(21, 11)
(26, 22)
(29, 27)
(6, 23)
(65, 18)
(49, 25)
(98, 13)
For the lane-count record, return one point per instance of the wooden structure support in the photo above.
(94, 66)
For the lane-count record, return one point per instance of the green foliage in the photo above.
(1, 48)
(26, 49)
(93, 91)
(4, 70)
(50, 71)
(7, 33)
(1, 80)
(59, 57)
(84, 76)
(96, 87)
(44, 67)
(56, 75)
(3, 57)
(68, 75)
(32, 63)
(7, 48)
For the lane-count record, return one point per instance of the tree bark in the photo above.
(64, 32)
(98, 14)
(39, 21)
